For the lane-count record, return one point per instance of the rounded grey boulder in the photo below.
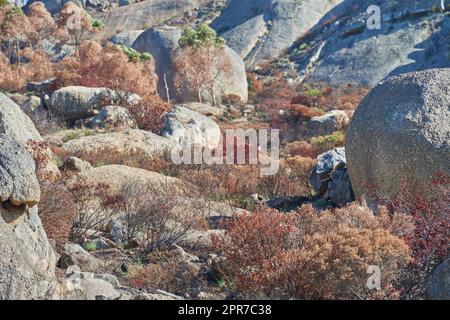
(162, 44)
(18, 181)
(439, 286)
(401, 132)
(27, 260)
(15, 123)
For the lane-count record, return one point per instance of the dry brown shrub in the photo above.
(108, 66)
(95, 205)
(149, 113)
(165, 271)
(308, 256)
(57, 211)
(156, 215)
(44, 159)
(302, 148)
(304, 113)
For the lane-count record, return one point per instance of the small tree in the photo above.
(75, 23)
(41, 21)
(201, 61)
(109, 66)
(15, 28)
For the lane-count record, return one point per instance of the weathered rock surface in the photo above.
(118, 176)
(18, 182)
(186, 126)
(28, 103)
(122, 145)
(74, 102)
(162, 43)
(27, 261)
(76, 165)
(204, 109)
(90, 286)
(74, 254)
(126, 38)
(413, 36)
(329, 178)
(15, 123)
(260, 30)
(145, 14)
(328, 123)
(401, 131)
(439, 285)
(113, 117)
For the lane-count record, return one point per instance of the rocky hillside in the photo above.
(330, 41)
(134, 150)
(414, 36)
(264, 29)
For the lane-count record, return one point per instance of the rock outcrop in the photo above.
(186, 126)
(113, 117)
(74, 102)
(328, 123)
(260, 30)
(145, 14)
(162, 44)
(342, 49)
(27, 261)
(401, 132)
(118, 176)
(120, 145)
(15, 123)
(330, 179)
(126, 38)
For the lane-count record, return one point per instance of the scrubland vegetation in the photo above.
(303, 251)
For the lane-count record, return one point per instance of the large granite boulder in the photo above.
(27, 260)
(126, 38)
(118, 177)
(401, 132)
(15, 123)
(162, 43)
(113, 117)
(74, 102)
(119, 145)
(18, 182)
(186, 126)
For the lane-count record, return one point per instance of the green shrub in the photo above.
(134, 55)
(325, 143)
(314, 93)
(97, 24)
(90, 246)
(200, 37)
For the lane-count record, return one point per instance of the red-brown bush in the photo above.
(108, 66)
(308, 256)
(57, 211)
